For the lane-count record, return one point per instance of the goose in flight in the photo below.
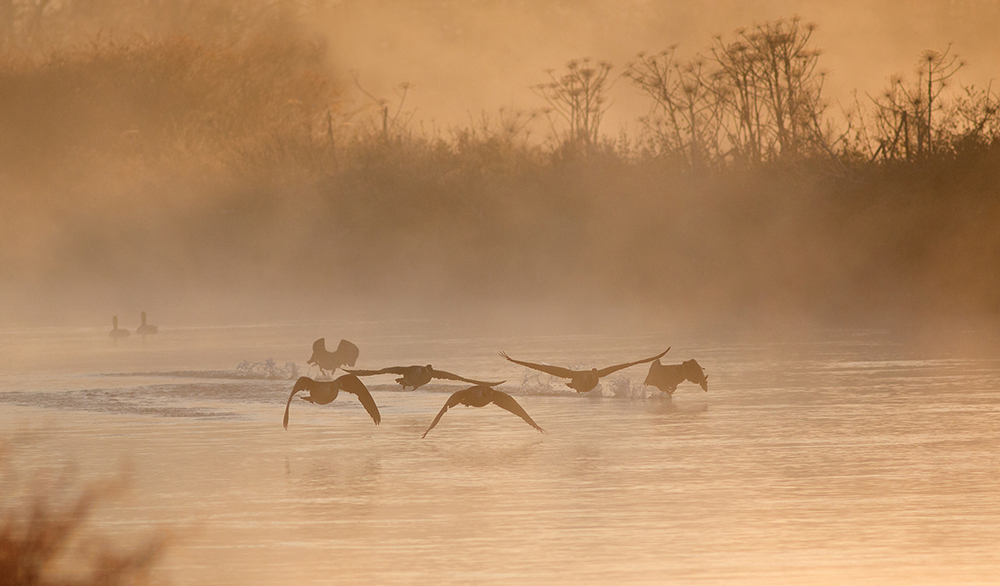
(481, 396)
(115, 331)
(581, 381)
(346, 353)
(418, 376)
(323, 392)
(145, 329)
(666, 377)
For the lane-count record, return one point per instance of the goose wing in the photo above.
(617, 367)
(450, 376)
(390, 370)
(696, 374)
(505, 401)
(304, 382)
(546, 368)
(353, 385)
(319, 346)
(349, 352)
(455, 399)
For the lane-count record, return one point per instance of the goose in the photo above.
(581, 381)
(481, 396)
(145, 329)
(346, 353)
(418, 376)
(666, 377)
(115, 332)
(323, 392)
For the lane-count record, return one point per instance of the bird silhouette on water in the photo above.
(146, 329)
(346, 353)
(666, 377)
(115, 331)
(323, 392)
(481, 396)
(581, 381)
(418, 376)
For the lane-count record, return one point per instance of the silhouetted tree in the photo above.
(687, 113)
(976, 117)
(904, 118)
(772, 90)
(939, 67)
(579, 97)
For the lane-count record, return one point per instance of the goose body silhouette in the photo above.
(418, 376)
(346, 353)
(115, 331)
(323, 392)
(481, 396)
(581, 381)
(146, 329)
(666, 377)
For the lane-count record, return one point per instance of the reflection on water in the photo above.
(848, 461)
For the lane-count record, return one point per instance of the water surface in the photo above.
(851, 459)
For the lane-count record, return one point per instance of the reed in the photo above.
(48, 534)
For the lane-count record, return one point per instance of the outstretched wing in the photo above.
(349, 352)
(505, 401)
(546, 368)
(617, 367)
(450, 376)
(353, 385)
(390, 370)
(453, 400)
(695, 373)
(319, 346)
(304, 382)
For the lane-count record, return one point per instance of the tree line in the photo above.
(756, 97)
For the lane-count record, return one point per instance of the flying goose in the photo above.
(480, 396)
(417, 376)
(144, 329)
(666, 377)
(323, 392)
(346, 353)
(115, 332)
(581, 380)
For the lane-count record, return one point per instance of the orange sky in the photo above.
(467, 56)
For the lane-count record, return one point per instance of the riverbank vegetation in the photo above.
(187, 161)
(49, 535)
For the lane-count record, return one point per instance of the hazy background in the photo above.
(463, 57)
(218, 161)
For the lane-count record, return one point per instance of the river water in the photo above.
(842, 457)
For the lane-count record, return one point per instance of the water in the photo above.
(848, 460)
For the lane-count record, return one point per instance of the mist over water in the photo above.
(225, 164)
